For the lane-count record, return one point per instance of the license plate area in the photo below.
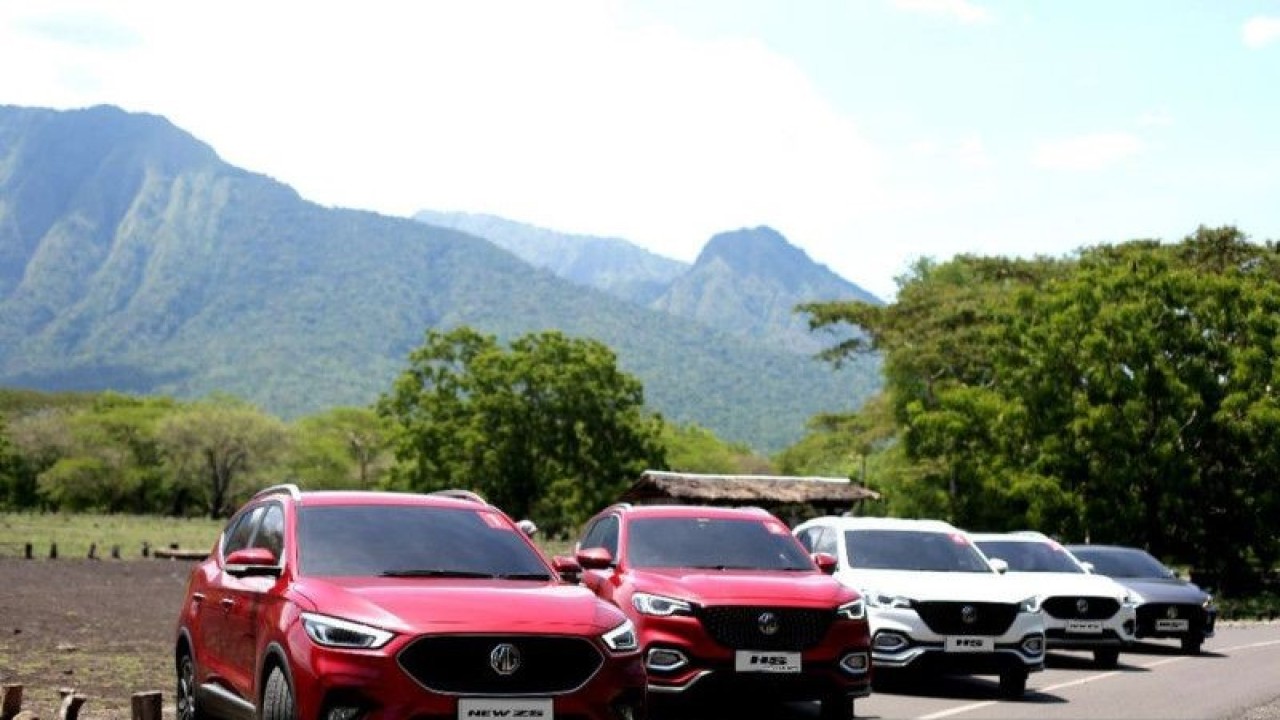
(1084, 627)
(969, 644)
(485, 708)
(766, 661)
(1166, 625)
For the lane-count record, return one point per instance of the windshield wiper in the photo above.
(412, 572)
(524, 576)
(724, 567)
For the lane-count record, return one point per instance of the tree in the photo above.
(345, 447)
(549, 428)
(217, 447)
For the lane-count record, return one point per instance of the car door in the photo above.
(602, 534)
(214, 642)
(250, 597)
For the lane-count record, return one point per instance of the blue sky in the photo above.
(869, 132)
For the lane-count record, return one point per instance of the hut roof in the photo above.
(764, 490)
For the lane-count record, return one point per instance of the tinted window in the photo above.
(367, 540)
(270, 533)
(1123, 563)
(1031, 556)
(713, 543)
(912, 550)
(241, 530)
(604, 534)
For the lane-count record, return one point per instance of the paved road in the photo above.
(1237, 677)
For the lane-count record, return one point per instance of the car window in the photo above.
(719, 543)
(270, 534)
(240, 531)
(603, 534)
(1124, 563)
(826, 542)
(912, 550)
(413, 540)
(1030, 556)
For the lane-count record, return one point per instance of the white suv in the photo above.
(934, 602)
(1082, 611)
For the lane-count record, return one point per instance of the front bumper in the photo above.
(914, 645)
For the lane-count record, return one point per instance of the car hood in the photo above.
(1165, 590)
(1047, 584)
(933, 586)
(463, 605)
(739, 587)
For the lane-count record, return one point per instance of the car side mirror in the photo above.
(253, 562)
(569, 569)
(596, 558)
(1088, 567)
(999, 565)
(826, 562)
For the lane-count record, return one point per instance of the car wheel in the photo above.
(1191, 645)
(1106, 657)
(187, 706)
(838, 707)
(277, 698)
(1013, 683)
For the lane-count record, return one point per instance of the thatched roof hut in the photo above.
(828, 495)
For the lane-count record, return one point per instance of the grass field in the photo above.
(74, 534)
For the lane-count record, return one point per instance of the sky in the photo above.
(870, 133)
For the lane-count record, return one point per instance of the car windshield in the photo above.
(913, 550)
(1127, 563)
(1031, 556)
(413, 541)
(714, 543)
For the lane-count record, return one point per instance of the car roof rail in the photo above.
(460, 494)
(290, 488)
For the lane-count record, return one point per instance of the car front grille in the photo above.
(746, 628)
(1149, 613)
(1069, 607)
(464, 664)
(981, 618)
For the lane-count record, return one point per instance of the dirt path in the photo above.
(104, 628)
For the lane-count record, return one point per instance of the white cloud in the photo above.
(962, 10)
(1156, 118)
(1258, 32)
(1087, 152)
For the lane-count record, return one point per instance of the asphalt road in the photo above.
(1236, 677)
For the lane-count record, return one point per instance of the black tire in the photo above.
(1106, 657)
(277, 698)
(188, 707)
(1191, 645)
(1013, 684)
(838, 707)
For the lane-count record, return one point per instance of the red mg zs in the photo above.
(386, 606)
(728, 604)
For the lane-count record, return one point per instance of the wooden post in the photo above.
(29, 551)
(93, 551)
(10, 701)
(115, 552)
(146, 549)
(147, 706)
(53, 551)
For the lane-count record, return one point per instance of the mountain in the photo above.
(747, 282)
(133, 258)
(613, 265)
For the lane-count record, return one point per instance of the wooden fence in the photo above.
(144, 706)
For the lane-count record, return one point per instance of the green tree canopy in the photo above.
(548, 428)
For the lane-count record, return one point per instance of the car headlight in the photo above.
(622, 638)
(885, 601)
(856, 610)
(336, 633)
(659, 605)
(1208, 602)
(1030, 605)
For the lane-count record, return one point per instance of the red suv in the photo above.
(726, 602)
(372, 606)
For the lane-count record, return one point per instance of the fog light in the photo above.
(855, 663)
(1130, 627)
(342, 713)
(664, 660)
(1033, 645)
(889, 641)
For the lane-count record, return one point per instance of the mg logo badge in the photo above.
(1172, 612)
(505, 659)
(769, 623)
(969, 614)
(1082, 606)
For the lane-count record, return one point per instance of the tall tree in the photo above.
(549, 427)
(345, 447)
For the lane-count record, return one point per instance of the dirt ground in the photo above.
(101, 627)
